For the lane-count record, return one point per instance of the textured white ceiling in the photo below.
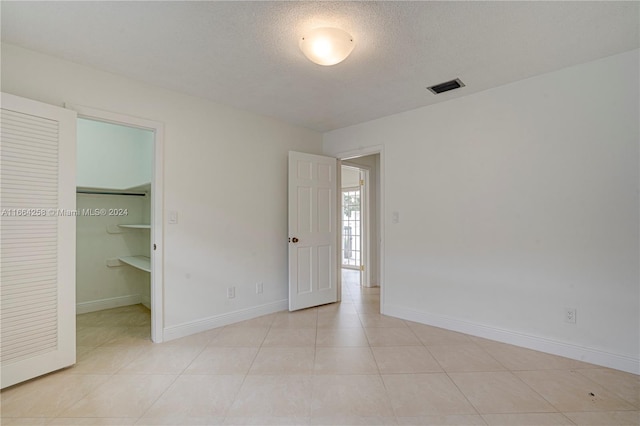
(245, 54)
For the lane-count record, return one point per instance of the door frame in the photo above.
(363, 152)
(157, 280)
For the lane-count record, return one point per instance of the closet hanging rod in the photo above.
(98, 192)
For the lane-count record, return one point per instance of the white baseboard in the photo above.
(580, 353)
(112, 302)
(198, 326)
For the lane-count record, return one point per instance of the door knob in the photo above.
(295, 240)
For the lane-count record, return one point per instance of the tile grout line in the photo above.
(244, 378)
(447, 374)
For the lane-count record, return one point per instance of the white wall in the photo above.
(113, 156)
(350, 177)
(97, 285)
(225, 173)
(515, 203)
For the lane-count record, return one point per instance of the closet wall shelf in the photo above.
(138, 190)
(140, 262)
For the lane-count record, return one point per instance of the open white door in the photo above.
(37, 225)
(312, 230)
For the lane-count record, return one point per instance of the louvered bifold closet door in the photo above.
(37, 235)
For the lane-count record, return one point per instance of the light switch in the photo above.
(395, 217)
(173, 217)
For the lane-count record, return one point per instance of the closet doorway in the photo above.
(119, 228)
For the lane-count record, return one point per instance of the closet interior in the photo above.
(113, 230)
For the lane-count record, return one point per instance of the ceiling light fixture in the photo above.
(327, 46)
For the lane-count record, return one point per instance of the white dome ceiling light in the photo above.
(327, 46)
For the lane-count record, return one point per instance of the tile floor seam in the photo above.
(253, 360)
(156, 400)
(535, 391)
(491, 356)
(126, 364)
(568, 419)
(462, 393)
(419, 340)
(365, 335)
(438, 362)
(315, 358)
(315, 342)
(466, 371)
(386, 391)
(228, 409)
(56, 416)
(496, 359)
(533, 413)
(313, 374)
(375, 360)
(61, 411)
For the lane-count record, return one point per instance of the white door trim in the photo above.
(363, 152)
(157, 303)
(365, 276)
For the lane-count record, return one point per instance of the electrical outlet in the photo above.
(231, 292)
(259, 288)
(570, 315)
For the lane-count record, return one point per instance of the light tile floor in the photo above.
(335, 364)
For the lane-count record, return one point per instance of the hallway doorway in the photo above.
(353, 226)
(364, 285)
(360, 215)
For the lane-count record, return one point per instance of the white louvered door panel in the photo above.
(37, 235)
